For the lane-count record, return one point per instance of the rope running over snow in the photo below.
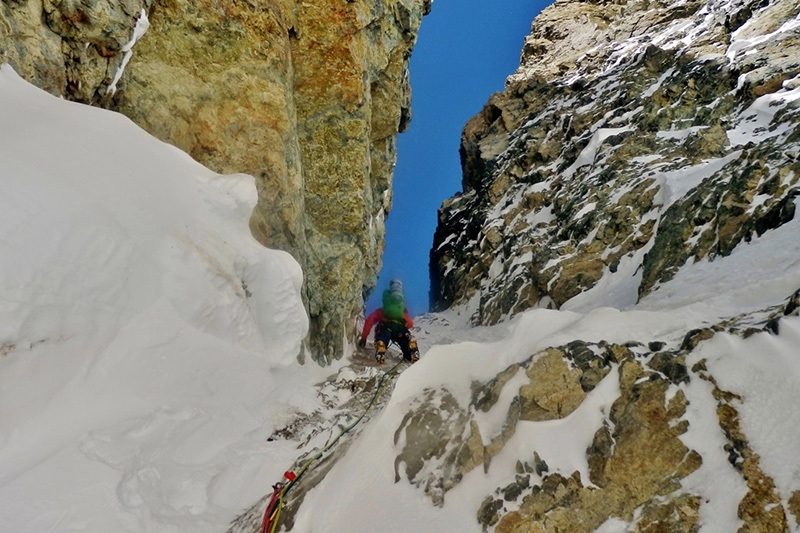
(273, 511)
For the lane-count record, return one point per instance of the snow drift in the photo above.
(147, 340)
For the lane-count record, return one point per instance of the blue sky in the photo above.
(465, 51)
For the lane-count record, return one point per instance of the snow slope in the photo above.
(147, 342)
(360, 493)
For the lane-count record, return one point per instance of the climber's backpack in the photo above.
(394, 306)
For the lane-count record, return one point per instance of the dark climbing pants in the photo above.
(397, 333)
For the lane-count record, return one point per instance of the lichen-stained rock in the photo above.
(677, 515)
(216, 80)
(638, 460)
(761, 508)
(794, 505)
(45, 69)
(68, 47)
(352, 97)
(440, 440)
(554, 390)
(625, 474)
(307, 97)
(634, 138)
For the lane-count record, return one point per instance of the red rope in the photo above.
(266, 523)
(271, 512)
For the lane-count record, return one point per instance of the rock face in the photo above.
(443, 441)
(636, 463)
(308, 97)
(637, 136)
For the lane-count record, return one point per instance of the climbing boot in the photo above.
(412, 347)
(380, 352)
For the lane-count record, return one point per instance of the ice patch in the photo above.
(677, 183)
(141, 27)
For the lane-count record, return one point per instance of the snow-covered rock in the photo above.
(643, 159)
(609, 421)
(635, 139)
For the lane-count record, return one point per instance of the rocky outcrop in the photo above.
(638, 460)
(636, 137)
(583, 436)
(444, 441)
(306, 97)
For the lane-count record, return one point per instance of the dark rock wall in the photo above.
(636, 136)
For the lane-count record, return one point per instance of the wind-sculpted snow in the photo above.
(666, 136)
(138, 322)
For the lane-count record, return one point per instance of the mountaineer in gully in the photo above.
(392, 324)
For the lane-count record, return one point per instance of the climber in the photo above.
(393, 324)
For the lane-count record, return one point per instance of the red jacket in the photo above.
(377, 316)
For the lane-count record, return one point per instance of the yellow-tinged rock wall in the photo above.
(307, 96)
(352, 97)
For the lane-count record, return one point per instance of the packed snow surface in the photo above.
(147, 342)
(148, 349)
